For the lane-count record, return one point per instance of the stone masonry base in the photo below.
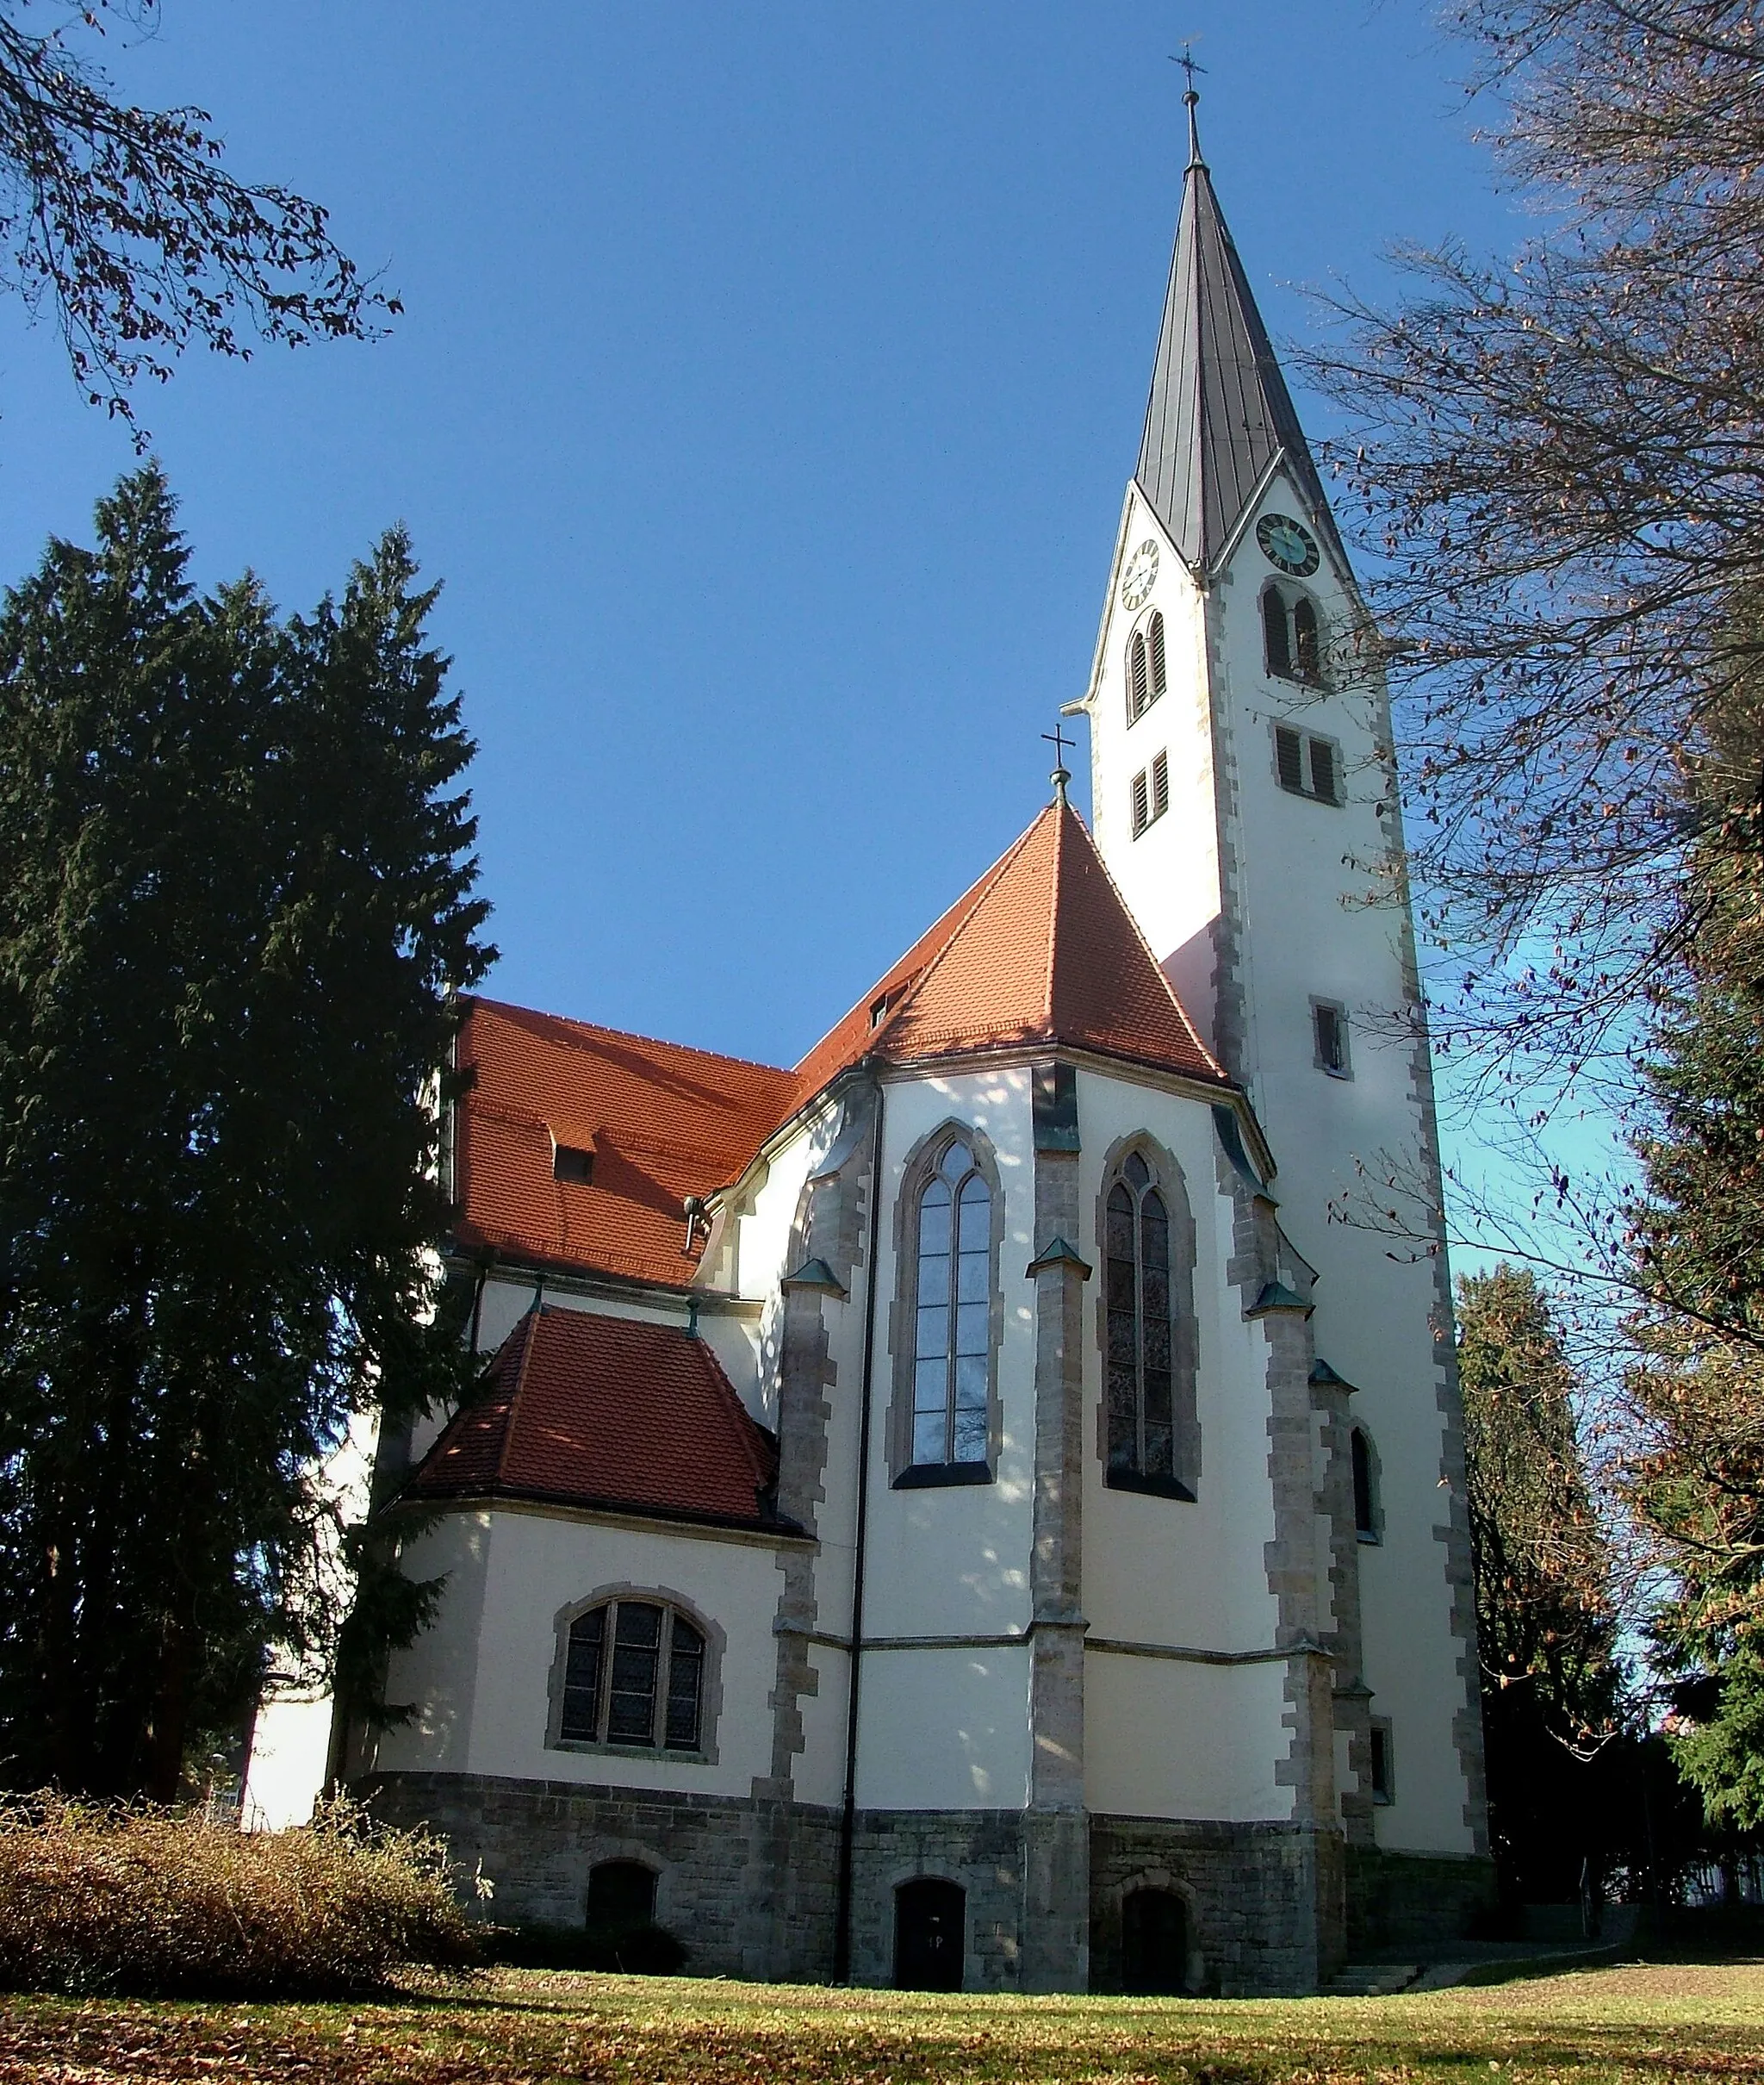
(750, 1885)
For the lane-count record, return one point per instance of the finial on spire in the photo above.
(1061, 775)
(1191, 99)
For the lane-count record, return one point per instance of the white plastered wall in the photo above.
(483, 1673)
(1165, 1738)
(947, 1727)
(1302, 936)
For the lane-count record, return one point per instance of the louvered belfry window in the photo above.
(1141, 803)
(952, 1347)
(634, 1675)
(1160, 785)
(1154, 645)
(1307, 766)
(1277, 633)
(1148, 674)
(1141, 1423)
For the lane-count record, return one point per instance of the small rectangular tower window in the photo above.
(1151, 794)
(1329, 1034)
(1384, 1786)
(1308, 766)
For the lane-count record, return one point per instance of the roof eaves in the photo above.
(480, 1495)
(535, 1323)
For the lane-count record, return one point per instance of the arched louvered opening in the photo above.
(1307, 644)
(1277, 633)
(1139, 686)
(1155, 649)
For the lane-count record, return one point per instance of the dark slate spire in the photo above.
(1220, 410)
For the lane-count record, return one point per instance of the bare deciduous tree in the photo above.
(125, 224)
(1563, 462)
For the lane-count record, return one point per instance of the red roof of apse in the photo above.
(588, 1410)
(1042, 949)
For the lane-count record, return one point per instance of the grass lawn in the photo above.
(1639, 2024)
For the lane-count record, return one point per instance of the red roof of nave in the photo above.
(666, 1122)
(588, 1410)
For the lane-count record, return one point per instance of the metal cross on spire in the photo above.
(1191, 65)
(1061, 775)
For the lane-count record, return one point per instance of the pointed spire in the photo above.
(1220, 411)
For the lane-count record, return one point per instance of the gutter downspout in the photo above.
(848, 1815)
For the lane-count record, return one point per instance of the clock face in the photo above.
(1137, 581)
(1288, 543)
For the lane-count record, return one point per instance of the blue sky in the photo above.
(767, 383)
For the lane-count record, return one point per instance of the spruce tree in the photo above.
(236, 891)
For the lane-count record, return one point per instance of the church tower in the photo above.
(1245, 803)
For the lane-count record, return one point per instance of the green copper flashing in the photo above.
(815, 1274)
(1276, 1296)
(1057, 1252)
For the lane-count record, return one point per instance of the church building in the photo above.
(974, 1509)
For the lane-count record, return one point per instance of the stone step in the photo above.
(1374, 1979)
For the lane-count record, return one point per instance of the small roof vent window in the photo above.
(572, 1146)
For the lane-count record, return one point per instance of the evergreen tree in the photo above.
(235, 891)
(1552, 1684)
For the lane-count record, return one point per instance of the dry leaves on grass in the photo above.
(530, 2026)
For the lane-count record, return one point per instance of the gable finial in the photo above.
(1191, 99)
(1061, 775)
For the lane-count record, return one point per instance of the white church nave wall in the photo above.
(1177, 1571)
(945, 1728)
(954, 1561)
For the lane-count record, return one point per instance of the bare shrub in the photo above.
(155, 1902)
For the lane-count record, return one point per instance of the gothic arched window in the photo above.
(953, 1315)
(1141, 1390)
(633, 1674)
(1365, 1486)
(1147, 673)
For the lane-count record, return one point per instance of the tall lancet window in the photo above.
(1141, 1407)
(952, 1347)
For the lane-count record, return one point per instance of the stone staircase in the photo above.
(1485, 1963)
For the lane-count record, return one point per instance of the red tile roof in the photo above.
(588, 1410)
(1041, 950)
(663, 1121)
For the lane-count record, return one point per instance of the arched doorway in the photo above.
(621, 1896)
(1154, 1942)
(929, 1923)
